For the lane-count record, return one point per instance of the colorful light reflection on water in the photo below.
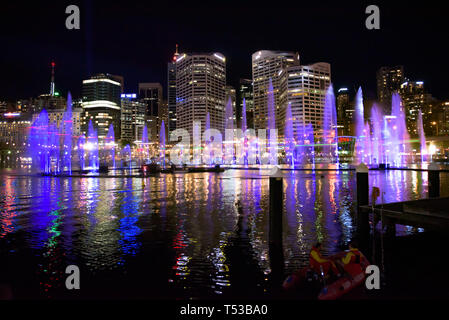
(173, 235)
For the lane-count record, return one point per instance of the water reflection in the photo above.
(182, 233)
(128, 221)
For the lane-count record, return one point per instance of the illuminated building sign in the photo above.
(11, 114)
(128, 95)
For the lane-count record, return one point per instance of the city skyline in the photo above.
(118, 48)
(193, 153)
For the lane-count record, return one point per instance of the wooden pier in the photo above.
(430, 213)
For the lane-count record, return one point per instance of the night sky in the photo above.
(137, 39)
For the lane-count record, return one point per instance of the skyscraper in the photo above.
(442, 119)
(132, 117)
(304, 88)
(389, 80)
(344, 112)
(200, 88)
(171, 91)
(151, 95)
(267, 65)
(231, 94)
(414, 98)
(101, 104)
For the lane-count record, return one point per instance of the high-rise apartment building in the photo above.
(430, 114)
(26, 107)
(200, 88)
(344, 112)
(171, 91)
(389, 80)
(442, 119)
(304, 88)
(132, 117)
(101, 104)
(231, 94)
(414, 98)
(151, 95)
(50, 102)
(56, 116)
(267, 65)
(14, 132)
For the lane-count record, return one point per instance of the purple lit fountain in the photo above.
(162, 144)
(422, 137)
(377, 149)
(68, 137)
(127, 157)
(39, 143)
(53, 144)
(330, 133)
(384, 139)
(229, 133)
(81, 155)
(289, 139)
(208, 157)
(145, 144)
(271, 126)
(400, 145)
(110, 145)
(359, 128)
(244, 156)
(92, 148)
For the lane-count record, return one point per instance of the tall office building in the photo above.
(304, 88)
(50, 102)
(26, 107)
(344, 112)
(101, 104)
(56, 116)
(430, 117)
(14, 132)
(151, 95)
(132, 117)
(389, 80)
(414, 98)
(231, 94)
(267, 65)
(442, 119)
(246, 92)
(200, 88)
(171, 91)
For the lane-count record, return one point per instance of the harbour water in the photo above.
(175, 235)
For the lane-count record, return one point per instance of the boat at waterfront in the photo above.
(310, 283)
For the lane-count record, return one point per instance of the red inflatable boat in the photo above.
(329, 290)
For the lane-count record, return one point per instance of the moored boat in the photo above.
(306, 279)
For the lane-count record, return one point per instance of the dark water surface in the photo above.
(173, 236)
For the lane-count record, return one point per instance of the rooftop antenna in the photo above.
(52, 84)
(176, 53)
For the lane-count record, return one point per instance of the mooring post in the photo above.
(434, 180)
(275, 233)
(362, 182)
